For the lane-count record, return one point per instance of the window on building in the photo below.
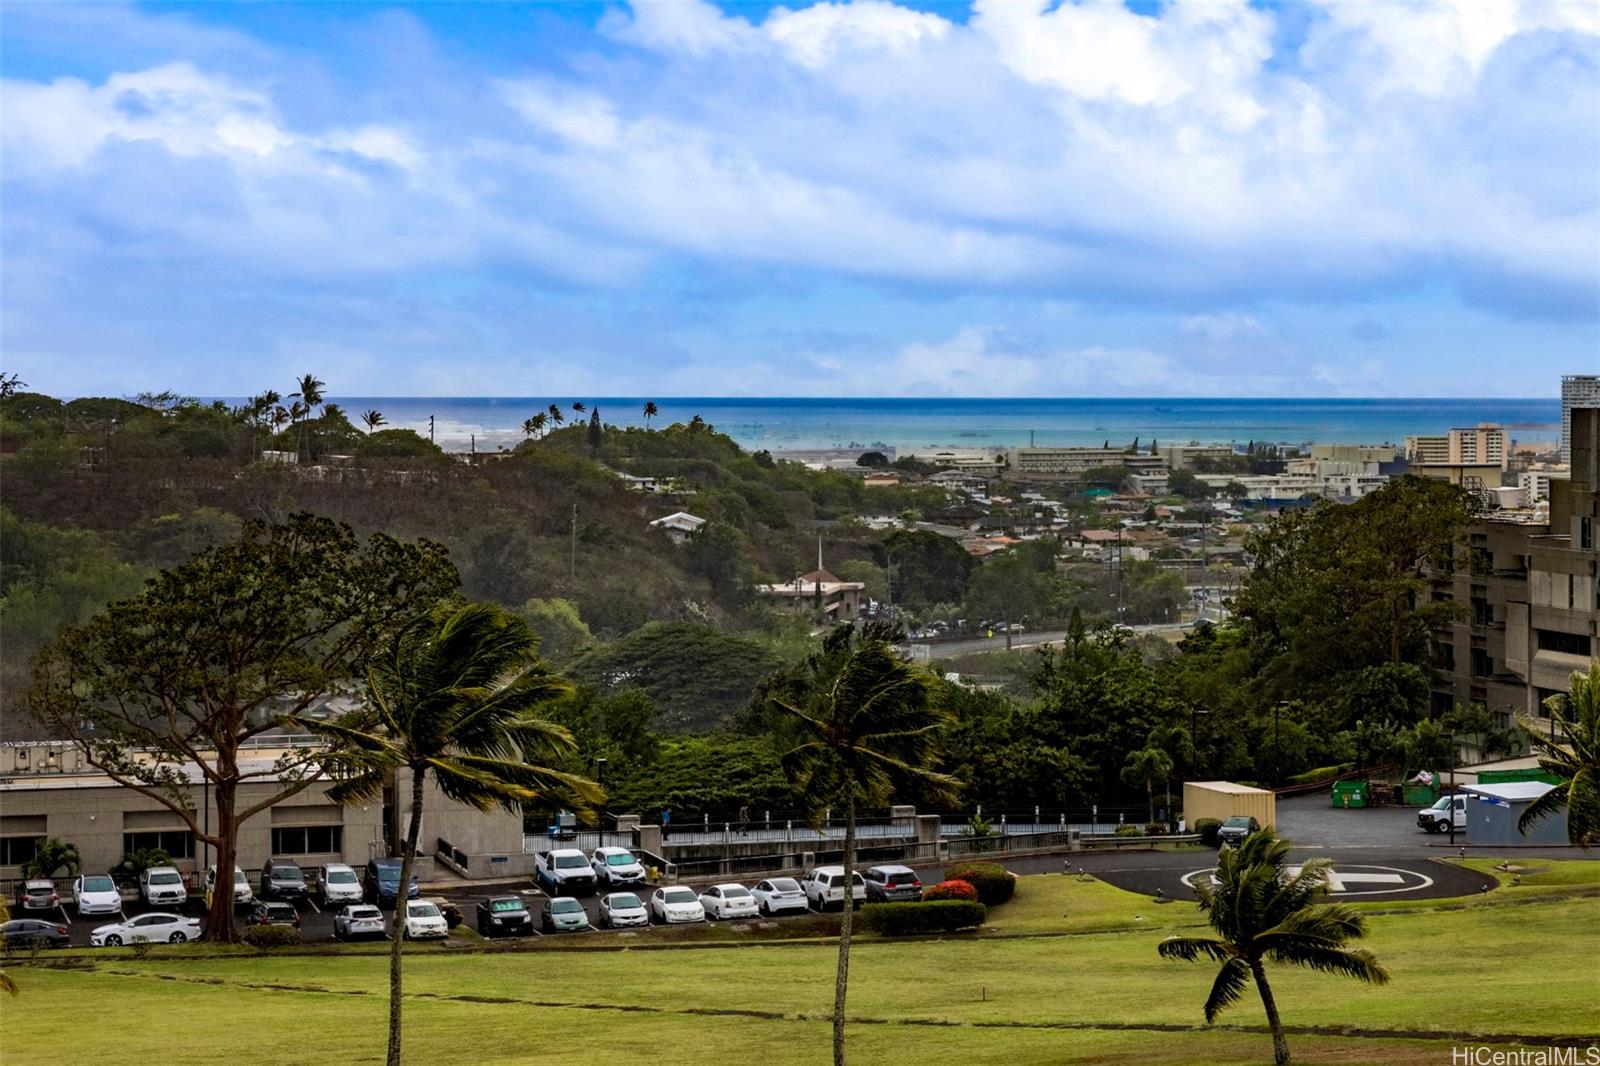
(307, 839)
(14, 851)
(178, 843)
(1482, 612)
(1585, 532)
(1566, 643)
(1482, 665)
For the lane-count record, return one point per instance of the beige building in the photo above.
(1183, 456)
(1474, 458)
(818, 592)
(46, 789)
(1354, 453)
(1055, 464)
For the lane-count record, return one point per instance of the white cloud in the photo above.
(814, 35)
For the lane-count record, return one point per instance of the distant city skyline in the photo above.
(829, 199)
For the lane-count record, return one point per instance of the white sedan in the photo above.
(728, 901)
(424, 922)
(96, 894)
(154, 928)
(778, 895)
(622, 909)
(359, 919)
(676, 904)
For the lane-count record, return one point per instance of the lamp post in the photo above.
(1277, 744)
(600, 779)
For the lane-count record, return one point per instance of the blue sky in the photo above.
(869, 198)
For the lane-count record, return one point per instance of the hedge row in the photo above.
(995, 884)
(1207, 828)
(271, 936)
(940, 916)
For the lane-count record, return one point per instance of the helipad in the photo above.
(1350, 879)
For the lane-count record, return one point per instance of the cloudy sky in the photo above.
(871, 198)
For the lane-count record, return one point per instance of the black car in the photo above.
(33, 932)
(282, 879)
(269, 913)
(504, 916)
(1235, 829)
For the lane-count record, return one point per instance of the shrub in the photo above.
(1207, 828)
(1130, 831)
(995, 884)
(954, 889)
(1155, 829)
(267, 937)
(451, 912)
(906, 919)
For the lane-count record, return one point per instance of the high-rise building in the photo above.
(1577, 390)
(1473, 457)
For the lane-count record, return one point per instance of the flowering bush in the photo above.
(953, 889)
(995, 884)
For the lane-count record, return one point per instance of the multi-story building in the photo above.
(1474, 457)
(818, 592)
(1065, 464)
(1184, 456)
(1355, 453)
(1529, 588)
(1577, 390)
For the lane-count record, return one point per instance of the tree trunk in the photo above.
(1280, 1044)
(846, 922)
(221, 924)
(401, 896)
(1149, 801)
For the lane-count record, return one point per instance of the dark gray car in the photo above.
(1235, 829)
(282, 879)
(893, 884)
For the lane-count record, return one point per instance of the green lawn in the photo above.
(1096, 993)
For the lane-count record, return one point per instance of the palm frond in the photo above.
(1190, 948)
(1227, 988)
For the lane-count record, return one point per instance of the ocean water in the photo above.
(783, 423)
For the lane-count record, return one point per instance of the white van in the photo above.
(1437, 819)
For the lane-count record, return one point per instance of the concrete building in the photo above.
(1577, 390)
(679, 526)
(1529, 589)
(46, 789)
(1183, 456)
(1535, 483)
(1495, 809)
(818, 592)
(1354, 453)
(1474, 458)
(1067, 464)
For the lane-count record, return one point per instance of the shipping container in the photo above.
(1224, 799)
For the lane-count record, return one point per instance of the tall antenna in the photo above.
(819, 551)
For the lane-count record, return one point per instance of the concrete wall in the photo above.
(1490, 824)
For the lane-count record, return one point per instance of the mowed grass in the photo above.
(1097, 992)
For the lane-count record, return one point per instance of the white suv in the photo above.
(424, 921)
(825, 887)
(338, 883)
(241, 886)
(163, 884)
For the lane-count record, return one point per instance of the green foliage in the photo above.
(397, 444)
(696, 675)
(556, 622)
(52, 856)
(267, 937)
(928, 568)
(1130, 831)
(995, 884)
(950, 888)
(912, 919)
(1207, 828)
(872, 459)
(711, 774)
(1574, 763)
(1007, 588)
(134, 863)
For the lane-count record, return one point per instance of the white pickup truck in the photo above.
(1437, 819)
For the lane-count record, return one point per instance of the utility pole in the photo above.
(574, 542)
(430, 429)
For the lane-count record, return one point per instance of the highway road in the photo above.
(948, 649)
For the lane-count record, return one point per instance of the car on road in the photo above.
(38, 894)
(241, 886)
(1437, 819)
(563, 915)
(723, 902)
(892, 884)
(1235, 829)
(676, 904)
(163, 885)
(616, 867)
(157, 928)
(825, 887)
(34, 932)
(268, 912)
(358, 920)
(381, 882)
(777, 895)
(338, 884)
(619, 910)
(564, 872)
(504, 916)
(282, 879)
(95, 894)
(424, 921)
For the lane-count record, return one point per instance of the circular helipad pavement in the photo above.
(1353, 879)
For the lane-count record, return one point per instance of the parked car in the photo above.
(241, 886)
(381, 882)
(267, 912)
(95, 894)
(563, 915)
(892, 884)
(728, 901)
(156, 928)
(282, 879)
(620, 910)
(34, 932)
(1235, 829)
(616, 866)
(564, 872)
(357, 920)
(163, 885)
(338, 884)
(504, 916)
(424, 921)
(1437, 819)
(676, 904)
(37, 895)
(777, 895)
(825, 887)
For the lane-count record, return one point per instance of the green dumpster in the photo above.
(1350, 793)
(1417, 794)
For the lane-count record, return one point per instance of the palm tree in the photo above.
(309, 391)
(863, 725)
(530, 427)
(650, 411)
(50, 857)
(1575, 759)
(455, 693)
(577, 405)
(1262, 914)
(1148, 767)
(373, 419)
(556, 417)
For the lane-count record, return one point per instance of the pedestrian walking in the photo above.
(744, 818)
